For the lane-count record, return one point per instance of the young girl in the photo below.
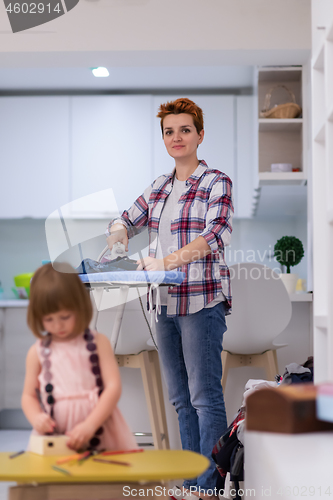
(72, 369)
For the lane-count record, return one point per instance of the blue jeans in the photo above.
(190, 352)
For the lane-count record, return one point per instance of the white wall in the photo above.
(253, 240)
(23, 244)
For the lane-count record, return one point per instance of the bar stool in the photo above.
(261, 310)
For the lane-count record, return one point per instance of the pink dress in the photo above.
(76, 394)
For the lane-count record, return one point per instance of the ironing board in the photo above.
(94, 480)
(124, 280)
(146, 361)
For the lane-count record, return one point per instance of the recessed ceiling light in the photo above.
(100, 72)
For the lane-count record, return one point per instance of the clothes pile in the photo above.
(297, 374)
(228, 452)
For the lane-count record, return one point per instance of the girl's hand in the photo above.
(80, 436)
(118, 233)
(43, 423)
(150, 264)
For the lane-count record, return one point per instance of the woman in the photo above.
(190, 211)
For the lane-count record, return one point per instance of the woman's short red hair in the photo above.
(182, 105)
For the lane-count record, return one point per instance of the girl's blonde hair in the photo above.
(52, 291)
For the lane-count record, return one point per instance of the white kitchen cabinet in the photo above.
(15, 341)
(246, 177)
(59, 150)
(34, 155)
(111, 145)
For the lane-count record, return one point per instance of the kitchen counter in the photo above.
(14, 303)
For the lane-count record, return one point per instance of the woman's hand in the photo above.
(150, 264)
(118, 233)
(80, 436)
(43, 423)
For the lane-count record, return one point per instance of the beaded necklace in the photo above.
(94, 360)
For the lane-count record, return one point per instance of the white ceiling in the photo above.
(127, 78)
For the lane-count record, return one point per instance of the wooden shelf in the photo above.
(280, 124)
(281, 178)
(280, 140)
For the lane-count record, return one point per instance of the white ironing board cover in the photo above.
(135, 277)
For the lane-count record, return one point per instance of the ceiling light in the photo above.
(100, 71)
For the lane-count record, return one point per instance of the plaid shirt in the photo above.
(205, 209)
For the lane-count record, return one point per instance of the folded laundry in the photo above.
(88, 266)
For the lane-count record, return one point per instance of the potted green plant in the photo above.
(289, 252)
